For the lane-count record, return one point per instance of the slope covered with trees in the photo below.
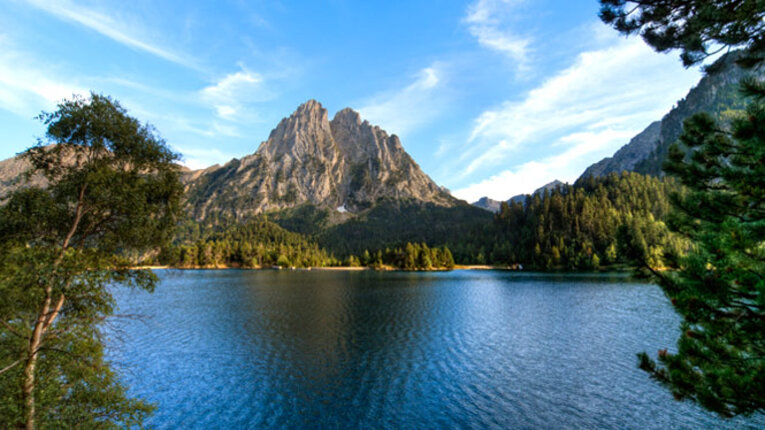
(580, 226)
(256, 243)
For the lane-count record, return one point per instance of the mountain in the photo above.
(639, 148)
(717, 93)
(521, 198)
(488, 204)
(13, 169)
(346, 165)
(494, 205)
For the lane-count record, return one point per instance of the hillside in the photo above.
(345, 165)
(716, 93)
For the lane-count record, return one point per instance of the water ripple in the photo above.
(255, 349)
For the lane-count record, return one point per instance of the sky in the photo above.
(491, 97)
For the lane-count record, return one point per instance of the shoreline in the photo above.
(325, 268)
(620, 269)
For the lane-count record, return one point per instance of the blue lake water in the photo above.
(464, 349)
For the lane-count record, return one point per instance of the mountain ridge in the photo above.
(492, 205)
(346, 163)
(716, 93)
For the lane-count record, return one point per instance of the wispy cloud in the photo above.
(585, 111)
(627, 83)
(485, 20)
(26, 85)
(230, 95)
(401, 111)
(111, 27)
(531, 175)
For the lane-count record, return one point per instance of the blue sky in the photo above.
(491, 97)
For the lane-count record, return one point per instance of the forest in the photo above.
(592, 224)
(261, 243)
(596, 223)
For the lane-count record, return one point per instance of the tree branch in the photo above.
(11, 366)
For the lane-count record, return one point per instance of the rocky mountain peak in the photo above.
(305, 133)
(347, 116)
(310, 108)
(346, 163)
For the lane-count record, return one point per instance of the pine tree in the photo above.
(693, 26)
(719, 286)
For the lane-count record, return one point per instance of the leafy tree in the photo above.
(719, 285)
(112, 193)
(699, 28)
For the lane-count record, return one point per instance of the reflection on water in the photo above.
(252, 349)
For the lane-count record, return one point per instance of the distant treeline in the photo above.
(594, 223)
(417, 256)
(262, 243)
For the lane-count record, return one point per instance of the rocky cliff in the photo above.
(345, 164)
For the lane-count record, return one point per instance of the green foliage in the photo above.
(693, 26)
(577, 227)
(256, 243)
(391, 223)
(304, 219)
(113, 192)
(718, 287)
(414, 256)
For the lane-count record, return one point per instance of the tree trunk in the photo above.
(28, 387)
(44, 321)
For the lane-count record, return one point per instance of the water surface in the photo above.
(469, 349)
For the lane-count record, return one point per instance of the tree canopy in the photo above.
(699, 28)
(112, 193)
(718, 286)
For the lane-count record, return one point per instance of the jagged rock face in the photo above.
(346, 163)
(11, 171)
(716, 92)
(639, 148)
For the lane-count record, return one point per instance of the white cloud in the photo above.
(531, 175)
(622, 87)
(26, 86)
(484, 20)
(230, 96)
(403, 110)
(579, 115)
(196, 158)
(113, 28)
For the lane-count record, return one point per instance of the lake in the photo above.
(468, 349)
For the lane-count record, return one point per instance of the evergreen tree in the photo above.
(564, 228)
(693, 26)
(719, 285)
